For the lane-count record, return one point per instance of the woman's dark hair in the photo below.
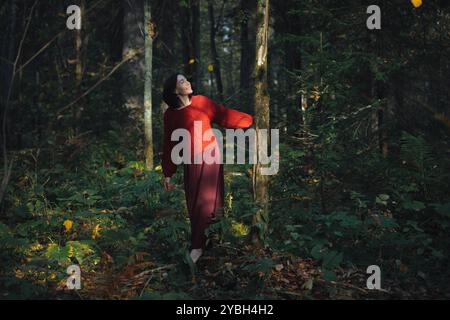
(169, 95)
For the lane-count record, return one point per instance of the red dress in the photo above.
(203, 182)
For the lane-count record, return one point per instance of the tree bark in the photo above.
(262, 113)
(81, 40)
(149, 34)
(186, 39)
(247, 51)
(215, 57)
(134, 69)
(196, 43)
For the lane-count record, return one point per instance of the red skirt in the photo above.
(204, 190)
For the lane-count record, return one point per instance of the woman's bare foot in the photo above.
(195, 254)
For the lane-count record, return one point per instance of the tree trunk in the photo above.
(196, 43)
(247, 51)
(134, 69)
(190, 41)
(215, 57)
(186, 39)
(81, 40)
(10, 48)
(262, 113)
(149, 34)
(229, 72)
(164, 50)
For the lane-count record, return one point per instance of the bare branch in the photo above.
(128, 57)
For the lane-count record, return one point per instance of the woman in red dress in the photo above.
(203, 182)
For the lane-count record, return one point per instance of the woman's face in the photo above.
(183, 86)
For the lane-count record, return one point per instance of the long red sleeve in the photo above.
(168, 167)
(201, 109)
(229, 118)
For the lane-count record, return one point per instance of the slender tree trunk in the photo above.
(81, 39)
(8, 73)
(7, 165)
(262, 113)
(9, 50)
(190, 41)
(149, 34)
(229, 72)
(11, 47)
(247, 51)
(215, 57)
(196, 43)
(133, 70)
(164, 45)
(186, 39)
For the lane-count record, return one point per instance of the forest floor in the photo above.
(131, 239)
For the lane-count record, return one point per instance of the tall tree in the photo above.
(247, 49)
(215, 56)
(165, 55)
(262, 113)
(189, 15)
(196, 43)
(8, 75)
(149, 35)
(81, 41)
(133, 70)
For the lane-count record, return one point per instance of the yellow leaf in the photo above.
(68, 224)
(239, 229)
(71, 250)
(229, 200)
(416, 3)
(96, 231)
(191, 61)
(210, 67)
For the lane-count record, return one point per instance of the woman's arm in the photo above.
(227, 117)
(168, 167)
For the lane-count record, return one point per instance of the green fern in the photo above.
(416, 151)
(418, 155)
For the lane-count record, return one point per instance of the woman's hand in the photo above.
(167, 185)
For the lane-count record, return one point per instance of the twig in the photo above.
(347, 285)
(101, 80)
(5, 179)
(169, 266)
(38, 52)
(145, 285)
(294, 197)
(289, 292)
(48, 43)
(229, 247)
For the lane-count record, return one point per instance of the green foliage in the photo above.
(341, 198)
(81, 251)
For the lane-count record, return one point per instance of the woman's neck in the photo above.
(186, 101)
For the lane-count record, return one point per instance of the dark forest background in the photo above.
(364, 122)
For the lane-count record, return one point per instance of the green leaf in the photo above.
(442, 209)
(329, 275)
(317, 252)
(4, 231)
(264, 265)
(61, 254)
(308, 285)
(332, 259)
(414, 205)
(382, 199)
